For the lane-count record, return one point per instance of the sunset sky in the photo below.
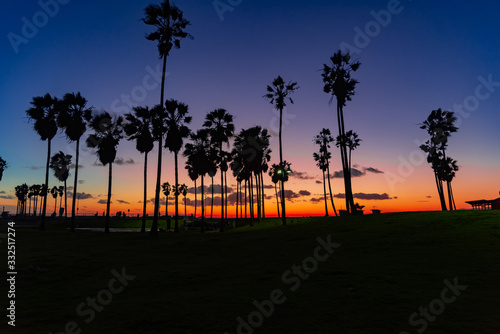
(424, 55)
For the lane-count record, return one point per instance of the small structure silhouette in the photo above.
(485, 204)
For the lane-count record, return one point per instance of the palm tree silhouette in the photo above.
(54, 191)
(275, 178)
(199, 157)
(352, 141)
(339, 83)
(170, 27)
(176, 121)
(439, 125)
(323, 139)
(166, 191)
(278, 94)
(219, 124)
(61, 163)
(183, 190)
(106, 136)
(193, 175)
(447, 173)
(61, 192)
(139, 127)
(43, 113)
(3, 166)
(320, 159)
(21, 194)
(73, 118)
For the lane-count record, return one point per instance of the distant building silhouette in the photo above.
(485, 204)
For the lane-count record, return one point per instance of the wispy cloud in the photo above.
(367, 197)
(301, 175)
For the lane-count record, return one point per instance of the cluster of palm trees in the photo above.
(440, 125)
(35, 193)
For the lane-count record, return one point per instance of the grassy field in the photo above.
(385, 271)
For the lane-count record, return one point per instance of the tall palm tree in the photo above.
(199, 157)
(43, 113)
(176, 121)
(447, 173)
(3, 166)
(278, 94)
(339, 83)
(22, 194)
(106, 136)
(219, 124)
(73, 118)
(61, 163)
(170, 25)
(439, 125)
(43, 193)
(352, 141)
(320, 159)
(323, 139)
(166, 191)
(139, 127)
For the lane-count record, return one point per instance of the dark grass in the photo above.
(387, 267)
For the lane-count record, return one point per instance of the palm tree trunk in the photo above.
(144, 200)
(176, 229)
(277, 200)
(108, 204)
(263, 196)
(55, 204)
(42, 221)
(324, 192)
(330, 187)
(257, 189)
(221, 192)
(185, 212)
(237, 197)
(343, 155)
(246, 182)
(283, 215)
(65, 202)
(450, 200)
(202, 206)
(154, 226)
(440, 191)
(75, 185)
(250, 194)
(195, 199)
(212, 205)
(453, 197)
(225, 190)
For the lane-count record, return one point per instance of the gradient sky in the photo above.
(430, 55)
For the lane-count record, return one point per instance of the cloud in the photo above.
(81, 195)
(121, 161)
(428, 196)
(316, 200)
(81, 181)
(2, 192)
(122, 202)
(36, 167)
(304, 193)
(72, 166)
(373, 170)
(318, 182)
(301, 175)
(6, 196)
(367, 197)
(103, 201)
(217, 189)
(355, 172)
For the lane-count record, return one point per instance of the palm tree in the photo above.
(176, 121)
(278, 94)
(54, 191)
(352, 142)
(22, 194)
(339, 83)
(320, 159)
(183, 190)
(139, 127)
(43, 193)
(219, 124)
(43, 113)
(273, 173)
(193, 175)
(106, 136)
(447, 173)
(73, 118)
(439, 125)
(199, 157)
(166, 191)
(61, 163)
(323, 139)
(3, 166)
(170, 24)
(61, 193)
